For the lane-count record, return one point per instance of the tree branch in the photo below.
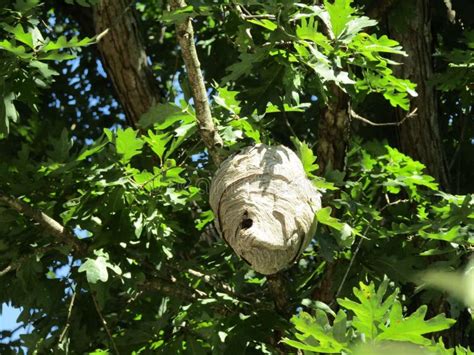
(124, 57)
(65, 237)
(53, 227)
(207, 129)
(104, 322)
(68, 320)
(7, 269)
(15, 264)
(382, 124)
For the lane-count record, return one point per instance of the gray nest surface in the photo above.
(264, 206)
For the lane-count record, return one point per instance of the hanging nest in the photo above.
(265, 206)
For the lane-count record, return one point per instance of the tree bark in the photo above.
(208, 131)
(124, 57)
(333, 137)
(419, 135)
(333, 132)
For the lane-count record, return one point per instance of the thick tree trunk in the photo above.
(124, 57)
(419, 135)
(333, 132)
(333, 137)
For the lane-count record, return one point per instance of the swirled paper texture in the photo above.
(264, 206)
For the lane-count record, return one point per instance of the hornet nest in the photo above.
(265, 206)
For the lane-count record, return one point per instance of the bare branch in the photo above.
(248, 15)
(382, 124)
(219, 286)
(104, 322)
(52, 226)
(7, 269)
(170, 289)
(359, 244)
(68, 320)
(38, 252)
(65, 237)
(207, 129)
(349, 267)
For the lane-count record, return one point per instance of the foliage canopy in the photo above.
(106, 236)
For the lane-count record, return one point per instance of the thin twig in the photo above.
(287, 122)
(356, 251)
(9, 333)
(390, 203)
(68, 319)
(114, 23)
(377, 124)
(65, 237)
(7, 270)
(171, 289)
(52, 226)
(344, 278)
(219, 286)
(104, 322)
(18, 262)
(207, 129)
(248, 15)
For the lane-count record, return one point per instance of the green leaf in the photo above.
(128, 145)
(56, 56)
(162, 116)
(324, 216)
(44, 69)
(8, 112)
(354, 26)
(315, 334)
(158, 142)
(370, 44)
(245, 126)
(61, 147)
(390, 348)
(22, 36)
(371, 310)
(62, 42)
(286, 108)
(413, 327)
(26, 5)
(244, 65)
(451, 235)
(265, 23)
(204, 218)
(227, 99)
(308, 29)
(340, 327)
(95, 269)
(340, 13)
(306, 155)
(96, 147)
(19, 51)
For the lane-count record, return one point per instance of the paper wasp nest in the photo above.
(264, 206)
